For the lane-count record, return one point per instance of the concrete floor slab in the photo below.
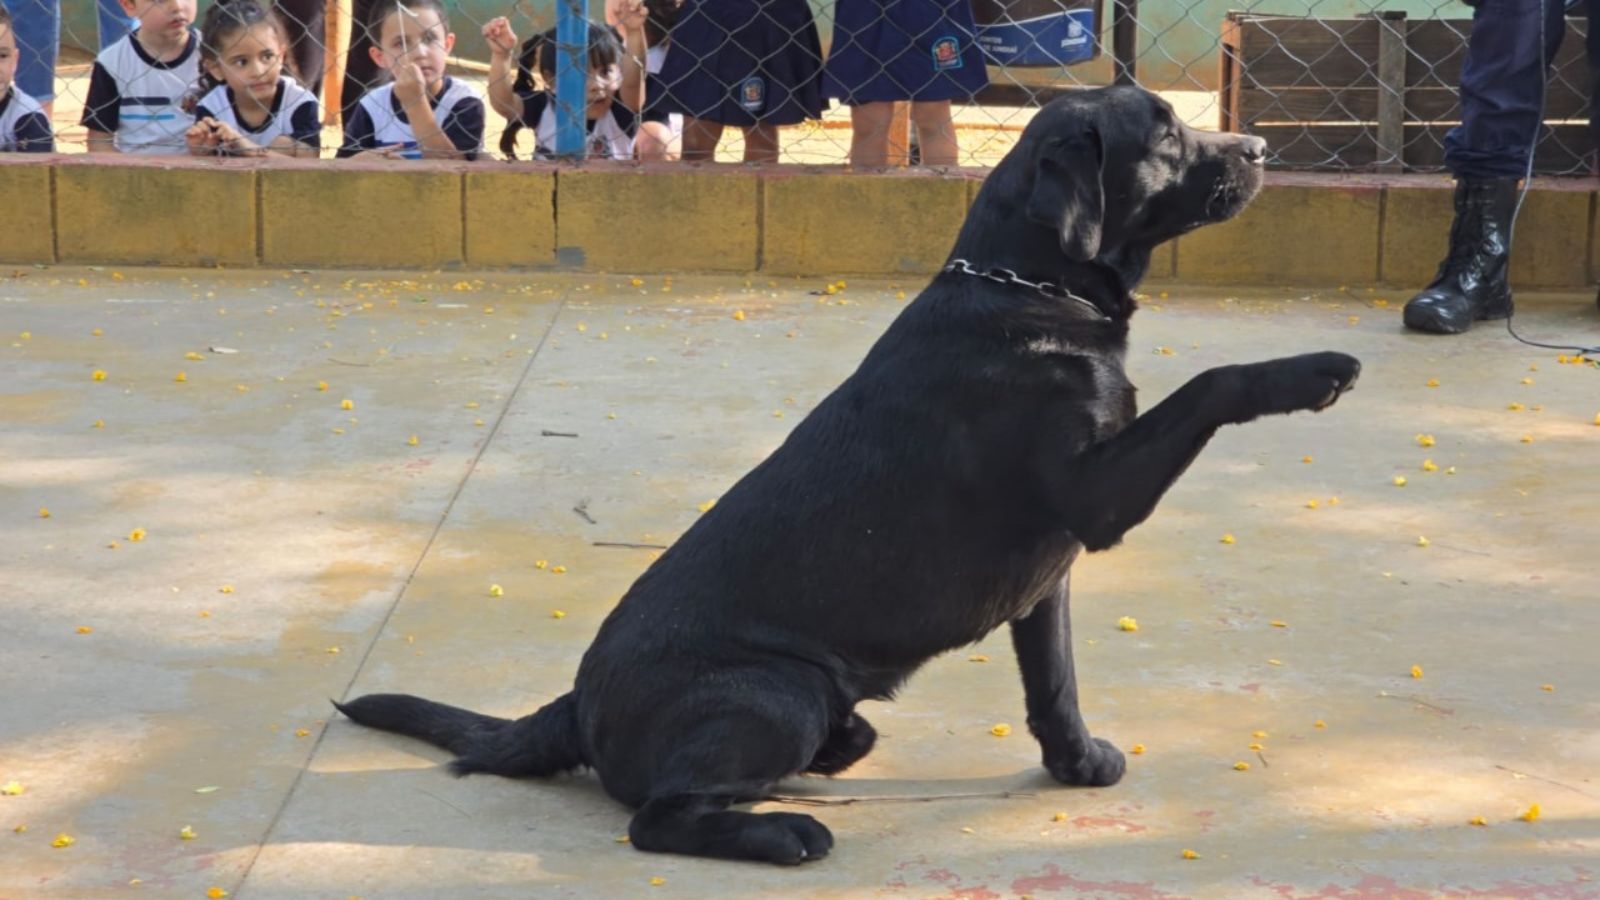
(386, 550)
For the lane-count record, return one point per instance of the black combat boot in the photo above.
(1471, 282)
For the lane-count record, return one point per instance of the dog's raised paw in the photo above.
(1101, 766)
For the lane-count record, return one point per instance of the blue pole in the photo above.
(572, 75)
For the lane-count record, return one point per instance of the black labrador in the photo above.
(943, 490)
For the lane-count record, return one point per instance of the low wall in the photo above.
(675, 217)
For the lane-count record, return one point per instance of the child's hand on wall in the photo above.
(502, 40)
(201, 138)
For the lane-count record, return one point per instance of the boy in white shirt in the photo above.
(24, 127)
(137, 89)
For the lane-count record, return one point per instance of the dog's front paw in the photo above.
(1100, 766)
(1309, 382)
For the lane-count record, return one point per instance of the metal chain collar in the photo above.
(1006, 276)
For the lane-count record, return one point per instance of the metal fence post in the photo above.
(572, 74)
(1124, 41)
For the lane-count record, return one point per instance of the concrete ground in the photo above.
(502, 427)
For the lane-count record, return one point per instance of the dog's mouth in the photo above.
(1232, 192)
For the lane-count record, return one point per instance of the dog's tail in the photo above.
(544, 743)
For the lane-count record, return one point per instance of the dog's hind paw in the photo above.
(1102, 765)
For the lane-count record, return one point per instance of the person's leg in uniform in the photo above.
(36, 27)
(360, 72)
(302, 20)
(1502, 88)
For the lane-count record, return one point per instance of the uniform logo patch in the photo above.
(753, 94)
(946, 54)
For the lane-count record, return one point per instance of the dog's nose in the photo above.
(1255, 149)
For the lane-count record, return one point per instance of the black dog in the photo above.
(943, 490)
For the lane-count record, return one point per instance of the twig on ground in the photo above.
(548, 433)
(1543, 779)
(918, 798)
(628, 545)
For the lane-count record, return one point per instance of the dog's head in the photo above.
(1116, 168)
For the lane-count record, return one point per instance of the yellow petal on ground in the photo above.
(624, 839)
(136, 535)
(1226, 539)
(540, 563)
(347, 404)
(98, 375)
(1256, 747)
(1000, 730)
(1433, 382)
(63, 840)
(496, 590)
(1279, 623)
(181, 376)
(84, 629)
(1258, 734)
(1422, 541)
(1425, 440)
(977, 657)
(1190, 854)
(20, 829)
(1128, 623)
(1527, 439)
(44, 512)
(187, 833)
(1550, 688)
(216, 893)
(1059, 817)
(301, 732)
(412, 440)
(191, 355)
(322, 385)
(1241, 766)
(1416, 671)
(706, 506)
(738, 315)
(1305, 459)
(1429, 465)
(225, 589)
(12, 788)
(1311, 504)
(99, 423)
(1527, 381)
(657, 881)
(558, 614)
(1515, 407)
(1137, 749)
(1319, 724)
(1531, 814)
(1477, 820)
(1399, 481)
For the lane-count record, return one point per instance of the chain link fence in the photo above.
(1333, 85)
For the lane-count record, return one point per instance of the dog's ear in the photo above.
(1068, 193)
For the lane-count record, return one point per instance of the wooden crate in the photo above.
(1377, 92)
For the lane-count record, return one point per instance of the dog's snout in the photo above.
(1254, 149)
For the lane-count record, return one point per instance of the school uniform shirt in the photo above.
(609, 137)
(139, 99)
(294, 113)
(24, 128)
(380, 121)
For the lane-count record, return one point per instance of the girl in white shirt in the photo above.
(248, 105)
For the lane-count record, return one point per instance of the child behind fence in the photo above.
(248, 105)
(614, 91)
(753, 64)
(423, 112)
(924, 51)
(23, 124)
(138, 86)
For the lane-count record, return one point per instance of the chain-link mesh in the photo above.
(1344, 85)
